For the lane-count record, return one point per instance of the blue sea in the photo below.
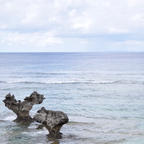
(102, 93)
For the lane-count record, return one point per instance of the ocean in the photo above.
(102, 94)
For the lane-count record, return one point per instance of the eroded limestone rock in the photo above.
(52, 120)
(22, 109)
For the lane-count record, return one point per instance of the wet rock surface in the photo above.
(22, 109)
(52, 121)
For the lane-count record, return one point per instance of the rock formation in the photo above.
(52, 120)
(22, 109)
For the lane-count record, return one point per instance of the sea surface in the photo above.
(102, 93)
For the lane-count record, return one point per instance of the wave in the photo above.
(9, 118)
(80, 72)
(73, 82)
(47, 73)
(3, 81)
(82, 82)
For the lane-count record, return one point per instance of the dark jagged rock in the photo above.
(22, 109)
(52, 120)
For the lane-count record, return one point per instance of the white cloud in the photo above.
(80, 22)
(29, 22)
(92, 16)
(83, 41)
(138, 19)
(113, 30)
(129, 45)
(135, 3)
(3, 26)
(133, 43)
(36, 39)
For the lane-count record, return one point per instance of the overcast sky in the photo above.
(71, 25)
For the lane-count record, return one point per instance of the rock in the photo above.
(22, 109)
(52, 121)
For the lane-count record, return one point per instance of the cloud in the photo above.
(40, 23)
(36, 39)
(113, 30)
(91, 16)
(135, 3)
(77, 15)
(132, 43)
(80, 22)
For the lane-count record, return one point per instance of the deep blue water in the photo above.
(102, 93)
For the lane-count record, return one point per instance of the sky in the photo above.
(71, 25)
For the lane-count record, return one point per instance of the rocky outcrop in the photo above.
(52, 120)
(22, 109)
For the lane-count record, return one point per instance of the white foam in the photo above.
(9, 118)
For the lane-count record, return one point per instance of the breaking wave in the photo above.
(73, 82)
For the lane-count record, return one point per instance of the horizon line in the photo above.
(75, 52)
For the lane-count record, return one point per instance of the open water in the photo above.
(102, 93)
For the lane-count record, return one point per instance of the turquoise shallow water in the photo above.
(102, 93)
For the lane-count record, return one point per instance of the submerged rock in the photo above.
(52, 120)
(22, 109)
